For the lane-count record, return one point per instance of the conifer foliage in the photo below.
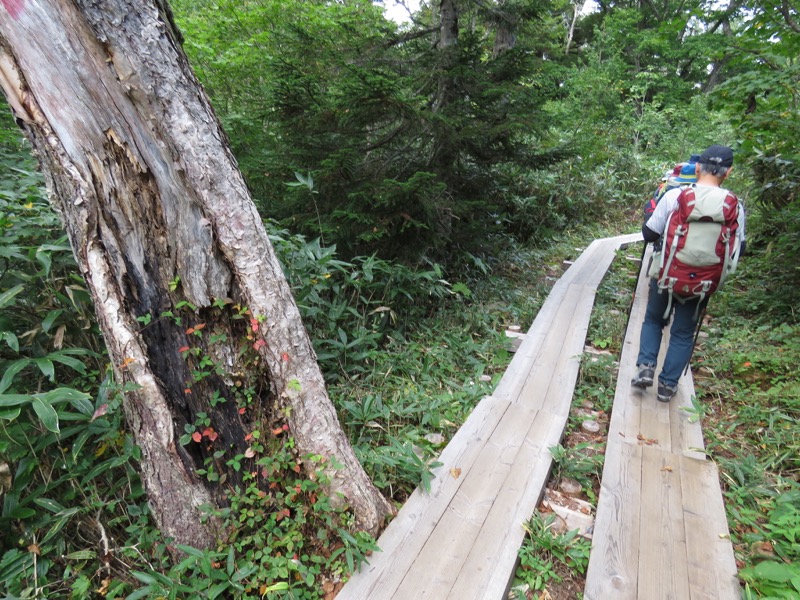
(373, 137)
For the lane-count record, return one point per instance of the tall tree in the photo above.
(192, 302)
(403, 130)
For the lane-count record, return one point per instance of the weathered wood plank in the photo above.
(663, 573)
(440, 559)
(533, 387)
(407, 533)
(614, 561)
(710, 558)
(489, 569)
(654, 421)
(656, 543)
(687, 434)
(464, 552)
(562, 384)
(590, 267)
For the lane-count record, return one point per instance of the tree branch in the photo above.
(787, 15)
(411, 35)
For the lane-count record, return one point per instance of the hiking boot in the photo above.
(666, 392)
(644, 377)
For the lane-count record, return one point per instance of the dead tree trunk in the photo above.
(176, 257)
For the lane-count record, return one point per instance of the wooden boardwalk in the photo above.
(460, 540)
(660, 530)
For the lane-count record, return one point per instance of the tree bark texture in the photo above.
(161, 222)
(443, 153)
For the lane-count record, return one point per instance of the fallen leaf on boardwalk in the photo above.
(645, 440)
(724, 536)
(667, 468)
(455, 472)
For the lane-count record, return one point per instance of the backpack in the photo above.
(681, 174)
(701, 247)
(650, 204)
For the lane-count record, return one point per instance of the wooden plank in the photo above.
(407, 533)
(654, 422)
(562, 385)
(712, 565)
(566, 331)
(624, 424)
(449, 507)
(489, 568)
(524, 361)
(500, 542)
(593, 274)
(445, 550)
(595, 259)
(533, 388)
(613, 571)
(663, 572)
(687, 434)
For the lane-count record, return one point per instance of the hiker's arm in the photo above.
(657, 223)
(649, 235)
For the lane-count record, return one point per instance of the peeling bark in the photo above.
(160, 221)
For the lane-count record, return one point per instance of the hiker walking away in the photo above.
(702, 227)
(681, 174)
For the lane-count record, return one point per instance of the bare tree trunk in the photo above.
(443, 152)
(576, 8)
(161, 222)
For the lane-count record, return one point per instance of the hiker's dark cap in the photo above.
(717, 156)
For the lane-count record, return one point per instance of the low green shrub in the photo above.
(545, 556)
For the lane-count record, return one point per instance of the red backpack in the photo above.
(700, 244)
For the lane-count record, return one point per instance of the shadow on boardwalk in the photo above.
(660, 530)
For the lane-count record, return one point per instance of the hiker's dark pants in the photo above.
(681, 340)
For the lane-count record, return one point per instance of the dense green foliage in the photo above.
(406, 148)
(480, 167)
